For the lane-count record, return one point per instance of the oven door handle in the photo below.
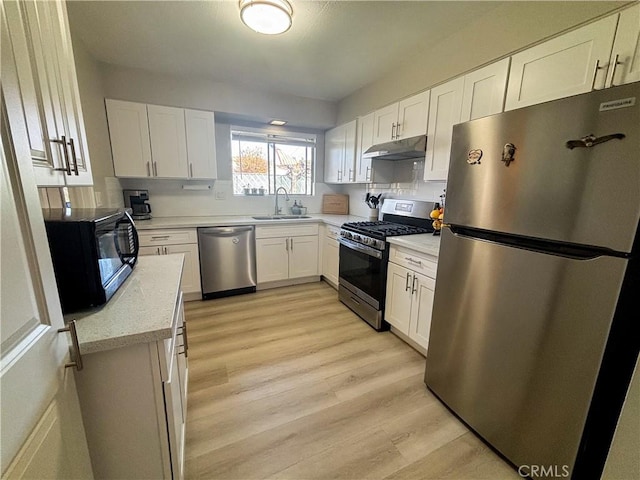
(372, 252)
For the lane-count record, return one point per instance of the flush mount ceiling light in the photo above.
(278, 123)
(270, 17)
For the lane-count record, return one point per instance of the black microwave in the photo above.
(93, 252)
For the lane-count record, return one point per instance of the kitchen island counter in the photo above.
(230, 220)
(141, 311)
(424, 243)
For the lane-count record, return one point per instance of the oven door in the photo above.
(363, 271)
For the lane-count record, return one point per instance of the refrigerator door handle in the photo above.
(592, 140)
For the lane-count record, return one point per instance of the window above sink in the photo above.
(263, 160)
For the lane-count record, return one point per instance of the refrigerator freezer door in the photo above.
(584, 195)
(516, 343)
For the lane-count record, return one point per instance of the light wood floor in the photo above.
(289, 384)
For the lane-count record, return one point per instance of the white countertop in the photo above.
(227, 220)
(424, 243)
(141, 311)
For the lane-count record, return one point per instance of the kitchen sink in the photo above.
(280, 217)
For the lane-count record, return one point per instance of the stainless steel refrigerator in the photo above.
(537, 303)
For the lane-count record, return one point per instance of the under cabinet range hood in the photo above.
(405, 149)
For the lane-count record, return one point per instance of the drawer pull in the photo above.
(409, 259)
(160, 237)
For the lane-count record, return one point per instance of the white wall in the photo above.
(510, 27)
(106, 186)
(506, 29)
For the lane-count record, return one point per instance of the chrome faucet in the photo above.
(286, 197)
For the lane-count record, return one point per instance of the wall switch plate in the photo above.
(221, 195)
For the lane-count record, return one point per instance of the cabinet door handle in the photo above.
(407, 285)
(339, 175)
(158, 250)
(354, 176)
(595, 74)
(286, 244)
(190, 169)
(292, 244)
(185, 341)
(413, 285)
(398, 130)
(73, 156)
(166, 252)
(148, 170)
(155, 169)
(67, 167)
(367, 175)
(393, 131)
(616, 62)
(71, 328)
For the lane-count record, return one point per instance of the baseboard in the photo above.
(329, 282)
(288, 282)
(420, 349)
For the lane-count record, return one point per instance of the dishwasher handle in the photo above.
(224, 231)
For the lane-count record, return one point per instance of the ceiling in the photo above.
(333, 48)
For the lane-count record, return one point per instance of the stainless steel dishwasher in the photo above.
(227, 261)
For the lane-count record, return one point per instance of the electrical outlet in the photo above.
(221, 195)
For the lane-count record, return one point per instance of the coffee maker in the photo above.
(135, 200)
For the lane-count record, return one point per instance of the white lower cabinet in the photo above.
(410, 292)
(134, 406)
(171, 241)
(286, 252)
(331, 254)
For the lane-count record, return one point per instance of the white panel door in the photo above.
(349, 161)
(384, 124)
(333, 154)
(272, 259)
(330, 259)
(398, 302)
(444, 113)
(484, 91)
(303, 256)
(168, 141)
(129, 135)
(42, 435)
(423, 294)
(413, 114)
(364, 140)
(201, 144)
(191, 271)
(625, 58)
(573, 63)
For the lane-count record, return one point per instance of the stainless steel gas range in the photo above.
(364, 255)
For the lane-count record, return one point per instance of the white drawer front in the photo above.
(149, 238)
(333, 232)
(279, 231)
(418, 262)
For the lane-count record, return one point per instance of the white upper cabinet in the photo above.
(413, 114)
(41, 47)
(161, 142)
(364, 140)
(129, 134)
(384, 127)
(625, 58)
(568, 65)
(403, 119)
(168, 141)
(340, 154)
(484, 91)
(201, 144)
(444, 112)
